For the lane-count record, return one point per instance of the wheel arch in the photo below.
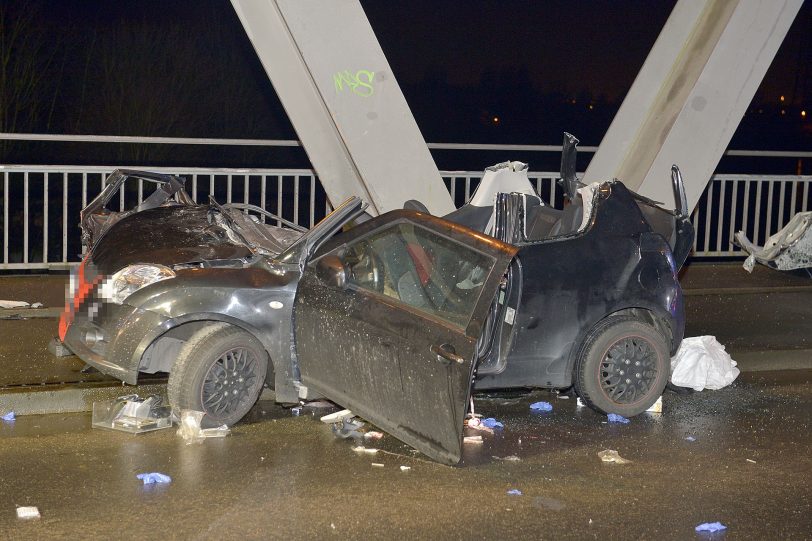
(181, 329)
(652, 316)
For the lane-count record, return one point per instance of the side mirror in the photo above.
(331, 271)
(569, 154)
(680, 200)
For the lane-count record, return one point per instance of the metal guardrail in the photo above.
(42, 233)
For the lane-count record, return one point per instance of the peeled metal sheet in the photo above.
(789, 249)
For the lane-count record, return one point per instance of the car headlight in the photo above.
(132, 278)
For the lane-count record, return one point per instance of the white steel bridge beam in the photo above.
(691, 94)
(339, 92)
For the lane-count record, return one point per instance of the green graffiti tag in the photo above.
(359, 83)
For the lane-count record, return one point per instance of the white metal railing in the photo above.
(41, 204)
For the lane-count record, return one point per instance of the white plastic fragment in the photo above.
(377, 465)
(750, 461)
(610, 455)
(190, 428)
(579, 403)
(702, 363)
(373, 435)
(336, 417)
(37, 305)
(405, 468)
(13, 304)
(657, 407)
(26, 513)
(364, 450)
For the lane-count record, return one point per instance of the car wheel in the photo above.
(220, 371)
(623, 366)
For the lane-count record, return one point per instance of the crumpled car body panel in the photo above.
(789, 249)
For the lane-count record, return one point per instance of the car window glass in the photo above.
(420, 268)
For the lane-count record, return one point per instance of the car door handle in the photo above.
(446, 352)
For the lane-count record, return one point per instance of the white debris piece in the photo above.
(610, 455)
(405, 468)
(26, 513)
(366, 450)
(657, 407)
(336, 417)
(472, 439)
(702, 363)
(13, 304)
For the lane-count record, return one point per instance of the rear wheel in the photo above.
(219, 371)
(623, 366)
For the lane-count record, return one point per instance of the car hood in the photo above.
(169, 235)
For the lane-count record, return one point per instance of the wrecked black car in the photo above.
(396, 317)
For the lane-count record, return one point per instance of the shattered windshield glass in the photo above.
(249, 230)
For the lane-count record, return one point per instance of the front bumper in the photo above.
(112, 338)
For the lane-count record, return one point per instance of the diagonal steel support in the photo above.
(336, 85)
(691, 94)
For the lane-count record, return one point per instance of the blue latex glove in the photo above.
(149, 478)
(711, 527)
(541, 406)
(615, 418)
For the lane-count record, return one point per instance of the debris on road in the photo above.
(514, 492)
(377, 465)
(27, 513)
(750, 461)
(541, 406)
(509, 458)
(348, 428)
(337, 417)
(132, 414)
(360, 449)
(373, 435)
(190, 428)
(710, 527)
(319, 404)
(690, 438)
(13, 304)
(578, 402)
(615, 418)
(702, 363)
(405, 468)
(657, 407)
(472, 439)
(154, 478)
(9, 416)
(296, 411)
(610, 455)
(490, 422)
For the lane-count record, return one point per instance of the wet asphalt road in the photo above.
(279, 476)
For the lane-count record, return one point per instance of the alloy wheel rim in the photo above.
(628, 370)
(228, 382)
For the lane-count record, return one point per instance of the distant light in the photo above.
(783, 112)
(803, 114)
(496, 120)
(591, 106)
(781, 99)
(572, 101)
(760, 111)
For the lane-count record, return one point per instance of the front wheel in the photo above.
(219, 371)
(623, 366)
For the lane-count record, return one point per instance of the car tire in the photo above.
(220, 371)
(623, 366)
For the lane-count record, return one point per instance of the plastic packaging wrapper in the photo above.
(514, 492)
(132, 414)
(154, 478)
(710, 527)
(702, 363)
(490, 422)
(8, 416)
(541, 406)
(190, 427)
(610, 455)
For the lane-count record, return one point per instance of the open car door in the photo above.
(387, 318)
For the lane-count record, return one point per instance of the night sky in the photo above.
(186, 68)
